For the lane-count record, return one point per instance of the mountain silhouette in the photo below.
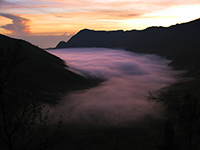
(34, 69)
(179, 43)
(91, 38)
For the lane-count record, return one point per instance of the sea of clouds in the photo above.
(122, 97)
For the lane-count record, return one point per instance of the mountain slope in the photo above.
(179, 43)
(34, 69)
(91, 38)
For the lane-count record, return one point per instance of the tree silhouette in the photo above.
(184, 112)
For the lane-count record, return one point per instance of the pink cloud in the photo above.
(19, 26)
(48, 6)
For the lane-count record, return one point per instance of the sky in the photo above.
(46, 22)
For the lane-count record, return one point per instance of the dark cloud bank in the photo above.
(121, 99)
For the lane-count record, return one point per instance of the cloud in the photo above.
(58, 6)
(99, 14)
(114, 14)
(19, 25)
(121, 99)
(7, 4)
(71, 6)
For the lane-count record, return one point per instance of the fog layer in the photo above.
(121, 98)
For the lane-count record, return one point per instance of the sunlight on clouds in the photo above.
(2, 23)
(167, 17)
(142, 23)
(182, 13)
(48, 23)
(44, 24)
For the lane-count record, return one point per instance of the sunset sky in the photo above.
(46, 22)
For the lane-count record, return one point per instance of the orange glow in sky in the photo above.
(58, 18)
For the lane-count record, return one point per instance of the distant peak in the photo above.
(62, 42)
(83, 30)
(89, 30)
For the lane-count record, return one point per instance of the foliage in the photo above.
(184, 112)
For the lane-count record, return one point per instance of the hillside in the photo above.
(31, 68)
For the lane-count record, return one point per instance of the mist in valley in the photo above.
(122, 97)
